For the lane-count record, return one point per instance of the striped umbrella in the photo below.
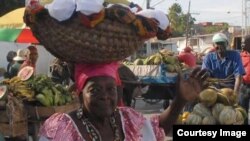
(17, 35)
(13, 29)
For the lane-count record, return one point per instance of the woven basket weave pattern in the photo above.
(71, 41)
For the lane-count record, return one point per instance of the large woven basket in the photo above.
(72, 41)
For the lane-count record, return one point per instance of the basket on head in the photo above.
(72, 41)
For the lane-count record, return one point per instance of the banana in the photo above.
(57, 99)
(62, 100)
(15, 79)
(60, 88)
(68, 98)
(49, 96)
(25, 93)
(43, 100)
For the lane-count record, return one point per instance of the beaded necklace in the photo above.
(94, 133)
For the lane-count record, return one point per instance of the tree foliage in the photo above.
(179, 20)
(214, 29)
(9, 5)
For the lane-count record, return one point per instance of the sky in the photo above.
(229, 11)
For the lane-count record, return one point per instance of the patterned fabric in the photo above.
(159, 132)
(60, 127)
(164, 34)
(92, 20)
(120, 13)
(145, 27)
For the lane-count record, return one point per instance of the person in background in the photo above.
(19, 59)
(224, 64)
(245, 90)
(60, 72)
(187, 57)
(32, 57)
(98, 118)
(200, 56)
(9, 57)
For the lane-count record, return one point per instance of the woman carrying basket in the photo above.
(98, 117)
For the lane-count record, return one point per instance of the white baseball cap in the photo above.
(220, 37)
(21, 55)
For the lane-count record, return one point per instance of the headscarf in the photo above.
(85, 71)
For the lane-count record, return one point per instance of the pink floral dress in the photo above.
(60, 127)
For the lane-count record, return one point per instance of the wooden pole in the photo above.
(188, 20)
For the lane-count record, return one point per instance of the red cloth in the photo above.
(85, 71)
(245, 57)
(188, 58)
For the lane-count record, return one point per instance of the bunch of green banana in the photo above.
(39, 82)
(54, 96)
(154, 59)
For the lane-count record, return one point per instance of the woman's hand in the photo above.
(188, 90)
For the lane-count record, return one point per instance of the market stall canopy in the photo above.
(17, 35)
(13, 19)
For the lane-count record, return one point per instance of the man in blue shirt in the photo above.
(224, 63)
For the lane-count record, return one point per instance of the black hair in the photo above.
(10, 56)
(246, 43)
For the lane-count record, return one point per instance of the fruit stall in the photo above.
(215, 107)
(157, 75)
(27, 101)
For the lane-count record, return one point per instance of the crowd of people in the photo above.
(19, 59)
(60, 72)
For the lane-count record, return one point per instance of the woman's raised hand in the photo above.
(189, 89)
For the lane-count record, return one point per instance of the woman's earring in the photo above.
(79, 113)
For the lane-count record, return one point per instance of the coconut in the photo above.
(209, 120)
(170, 60)
(227, 116)
(138, 62)
(239, 118)
(170, 68)
(208, 97)
(229, 93)
(157, 60)
(216, 109)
